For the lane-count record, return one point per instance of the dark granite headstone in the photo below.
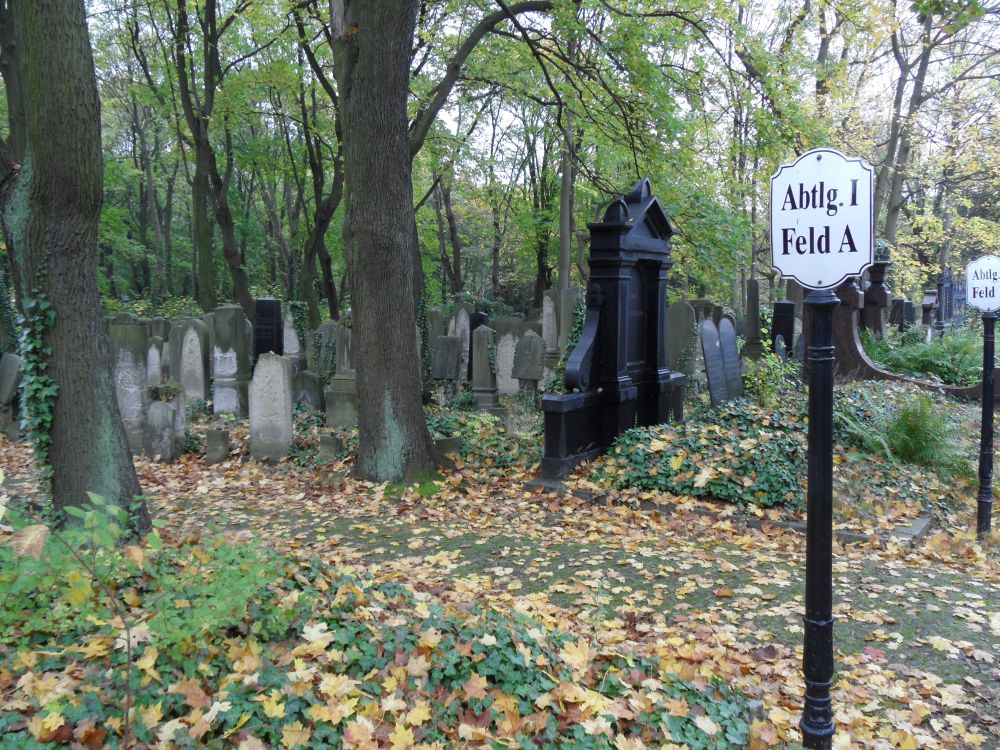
(268, 329)
(929, 307)
(909, 314)
(897, 312)
(730, 359)
(783, 320)
(754, 347)
(715, 368)
(446, 358)
(617, 376)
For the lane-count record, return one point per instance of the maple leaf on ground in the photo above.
(152, 715)
(418, 665)
(705, 724)
(29, 541)
(577, 655)
(401, 737)
(193, 694)
(475, 687)
(295, 735)
(420, 713)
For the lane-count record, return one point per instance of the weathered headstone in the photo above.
(681, 337)
(715, 368)
(189, 357)
(617, 375)
(476, 320)
(159, 440)
(550, 326)
(160, 328)
(232, 361)
(294, 347)
(323, 350)
(508, 331)
(129, 340)
(909, 314)
(460, 327)
(754, 347)
(897, 313)
(484, 379)
(529, 357)
(309, 390)
(435, 323)
(342, 393)
(216, 446)
(271, 408)
(446, 358)
(780, 349)
(730, 359)
(268, 327)
(330, 447)
(154, 362)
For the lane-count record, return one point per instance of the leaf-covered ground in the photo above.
(702, 589)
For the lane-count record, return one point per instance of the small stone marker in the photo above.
(329, 448)
(271, 408)
(160, 441)
(715, 369)
(216, 446)
(730, 359)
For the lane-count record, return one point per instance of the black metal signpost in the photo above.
(821, 234)
(984, 506)
(982, 291)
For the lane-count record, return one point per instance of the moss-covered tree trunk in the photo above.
(372, 62)
(51, 202)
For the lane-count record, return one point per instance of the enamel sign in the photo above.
(822, 225)
(982, 283)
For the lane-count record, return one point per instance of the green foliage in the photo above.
(463, 400)
(955, 358)
(150, 628)
(739, 452)
(300, 319)
(38, 389)
(172, 307)
(768, 377)
(165, 391)
(482, 439)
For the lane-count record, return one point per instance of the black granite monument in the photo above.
(617, 374)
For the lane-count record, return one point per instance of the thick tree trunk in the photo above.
(373, 77)
(566, 205)
(201, 229)
(52, 210)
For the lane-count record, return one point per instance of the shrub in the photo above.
(955, 358)
(739, 452)
(482, 439)
(767, 378)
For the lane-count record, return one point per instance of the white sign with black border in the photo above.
(982, 283)
(822, 223)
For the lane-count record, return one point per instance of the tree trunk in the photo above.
(201, 228)
(457, 282)
(372, 63)
(566, 204)
(52, 206)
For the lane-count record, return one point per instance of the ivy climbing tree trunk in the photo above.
(51, 203)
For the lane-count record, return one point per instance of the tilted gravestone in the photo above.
(271, 408)
(681, 337)
(754, 347)
(268, 327)
(730, 359)
(322, 351)
(617, 375)
(715, 368)
(232, 361)
(129, 348)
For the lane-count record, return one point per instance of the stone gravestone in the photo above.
(271, 408)
(783, 321)
(681, 337)
(309, 391)
(507, 332)
(295, 349)
(909, 314)
(446, 364)
(897, 313)
(129, 348)
(476, 320)
(232, 361)
(484, 379)
(617, 375)
(435, 324)
(268, 327)
(929, 308)
(550, 326)
(342, 394)
(189, 357)
(780, 349)
(730, 359)
(10, 379)
(322, 351)
(216, 446)
(460, 327)
(754, 347)
(154, 362)
(715, 368)
(529, 358)
(160, 440)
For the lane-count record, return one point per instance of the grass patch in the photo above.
(955, 358)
